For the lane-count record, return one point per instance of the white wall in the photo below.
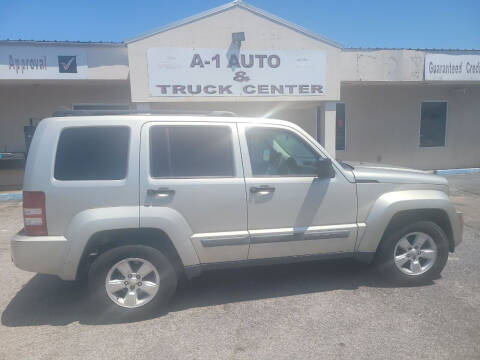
(399, 65)
(382, 65)
(383, 125)
(110, 63)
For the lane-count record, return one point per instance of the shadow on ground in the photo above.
(49, 300)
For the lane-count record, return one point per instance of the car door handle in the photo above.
(262, 190)
(160, 193)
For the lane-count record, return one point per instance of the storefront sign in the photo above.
(37, 62)
(452, 67)
(221, 72)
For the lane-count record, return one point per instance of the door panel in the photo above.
(297, 214)
(213, 207)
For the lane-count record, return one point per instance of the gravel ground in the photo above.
(335, 309)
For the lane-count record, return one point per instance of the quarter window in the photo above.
(92, 153)
(433, 124)
(278, 152)
(191, 151)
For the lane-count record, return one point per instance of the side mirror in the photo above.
(325, 168)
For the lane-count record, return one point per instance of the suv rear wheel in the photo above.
(414, 253)
(132, 280)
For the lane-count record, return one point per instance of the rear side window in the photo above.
(191, 151)
(92, 153)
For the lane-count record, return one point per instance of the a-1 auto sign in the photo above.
(452, 67)
(220, 72)
(40, 62)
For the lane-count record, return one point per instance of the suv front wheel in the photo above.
(132, 280)
(414, 254)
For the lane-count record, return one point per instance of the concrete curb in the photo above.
(458, 171)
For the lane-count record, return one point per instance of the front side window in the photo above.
(278, 152)
(433, 124)
(92, 153)
(191, 151)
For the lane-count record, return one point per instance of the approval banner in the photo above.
(220, 72)
(452, 67)
(41, 62)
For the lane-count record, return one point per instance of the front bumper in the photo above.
(41, 254)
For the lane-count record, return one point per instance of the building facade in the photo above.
(416, 108)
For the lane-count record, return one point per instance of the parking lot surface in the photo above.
(335, 309)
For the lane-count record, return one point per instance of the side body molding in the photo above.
(387, 205)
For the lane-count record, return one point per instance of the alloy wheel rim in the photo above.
(415, 253)
(132, 282)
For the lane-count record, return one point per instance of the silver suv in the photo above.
(138, 202)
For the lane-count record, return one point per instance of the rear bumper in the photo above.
(41, 254)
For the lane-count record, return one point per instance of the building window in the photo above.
(340, 127)
(433, 123)
(101, 107)
(92, 153)
(191, 151)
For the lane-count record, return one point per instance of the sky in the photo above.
(452, 24)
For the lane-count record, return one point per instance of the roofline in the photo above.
(215, 113)
(228, 6)
(123, 44)
(145, 117)
(61, 42)
(410, 49)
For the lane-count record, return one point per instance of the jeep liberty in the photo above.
(137, 202)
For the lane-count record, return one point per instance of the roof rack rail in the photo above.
(63, 113)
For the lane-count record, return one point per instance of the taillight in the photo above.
(34, 216)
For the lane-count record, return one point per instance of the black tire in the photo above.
(98, 274)
(385, 257)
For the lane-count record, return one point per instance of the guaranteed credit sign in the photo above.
(180, 72)
(452, 67)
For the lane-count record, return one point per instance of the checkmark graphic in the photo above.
(67, 65)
